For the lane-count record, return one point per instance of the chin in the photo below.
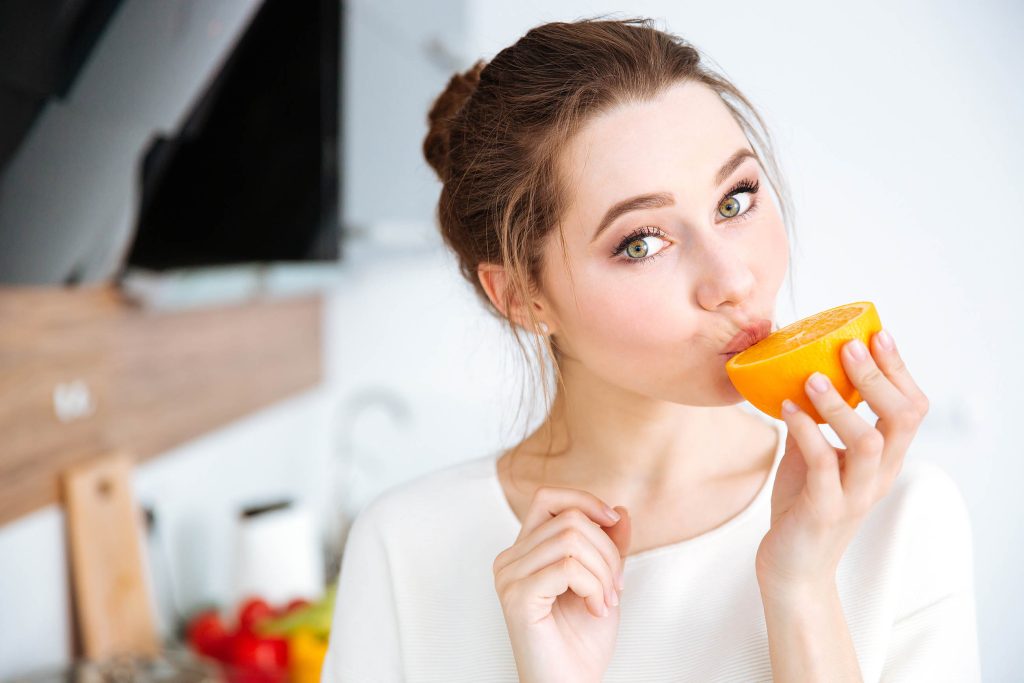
(729, 388)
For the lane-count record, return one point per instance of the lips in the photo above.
(748, 336)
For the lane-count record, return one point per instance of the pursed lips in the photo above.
(748, 337)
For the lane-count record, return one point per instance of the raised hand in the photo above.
(558, 586)
(822, 494)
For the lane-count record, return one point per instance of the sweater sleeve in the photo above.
(935, 637)
(364, 642)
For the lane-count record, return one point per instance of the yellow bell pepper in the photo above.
(306, 651)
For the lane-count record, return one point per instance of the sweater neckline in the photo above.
(762, 497)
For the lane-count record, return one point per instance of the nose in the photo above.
(723, 273)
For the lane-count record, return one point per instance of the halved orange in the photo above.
(778, 366)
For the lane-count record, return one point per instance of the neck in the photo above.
(604, 438)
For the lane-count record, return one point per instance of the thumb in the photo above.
(621, 533)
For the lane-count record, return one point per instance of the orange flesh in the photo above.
(798, 334)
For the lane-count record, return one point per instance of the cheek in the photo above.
(772, 250)
(638, 335)
(635, 315)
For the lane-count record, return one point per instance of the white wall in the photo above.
(896, 127)
(398, 55)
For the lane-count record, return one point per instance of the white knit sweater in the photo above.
(416, 599)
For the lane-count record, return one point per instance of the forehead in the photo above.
(673, 143)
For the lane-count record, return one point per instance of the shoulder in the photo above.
(434, 495)
(928, 498)
(920, 536)
(419, 525)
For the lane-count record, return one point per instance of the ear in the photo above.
(494, 281)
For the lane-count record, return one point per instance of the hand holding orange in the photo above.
(823, 492)
(777, 367)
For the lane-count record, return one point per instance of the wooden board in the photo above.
(134, 380)
(113, 609)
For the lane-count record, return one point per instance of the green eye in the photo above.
(739, 199)
(637, 245)
(729, 208)
(637, 248)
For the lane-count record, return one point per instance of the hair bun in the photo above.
(444, 110)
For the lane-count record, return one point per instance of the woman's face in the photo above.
(661, 290)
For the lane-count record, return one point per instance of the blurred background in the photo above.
(222, 284)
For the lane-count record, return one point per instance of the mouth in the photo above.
(747, 337)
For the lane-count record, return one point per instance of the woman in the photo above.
(606, 190)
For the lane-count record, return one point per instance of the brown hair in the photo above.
(497, 130)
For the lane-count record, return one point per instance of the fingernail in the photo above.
(615, 599)
(857, 349)
(885, 340)
(788, 407)
(819, 382)
(612, 513)
(618, 580)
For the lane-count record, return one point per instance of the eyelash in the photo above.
(744, 185)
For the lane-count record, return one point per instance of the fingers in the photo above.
(565, 574)
(548, 501)
(898, 426)
(823, 482)
(575, 520)
(889, 360)
(570, 534)
(622, 536)
(863, 442)
(562, 527)
(874, 454)
(881, 394)
(568, 544)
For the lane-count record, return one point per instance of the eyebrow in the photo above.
(658, 200)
